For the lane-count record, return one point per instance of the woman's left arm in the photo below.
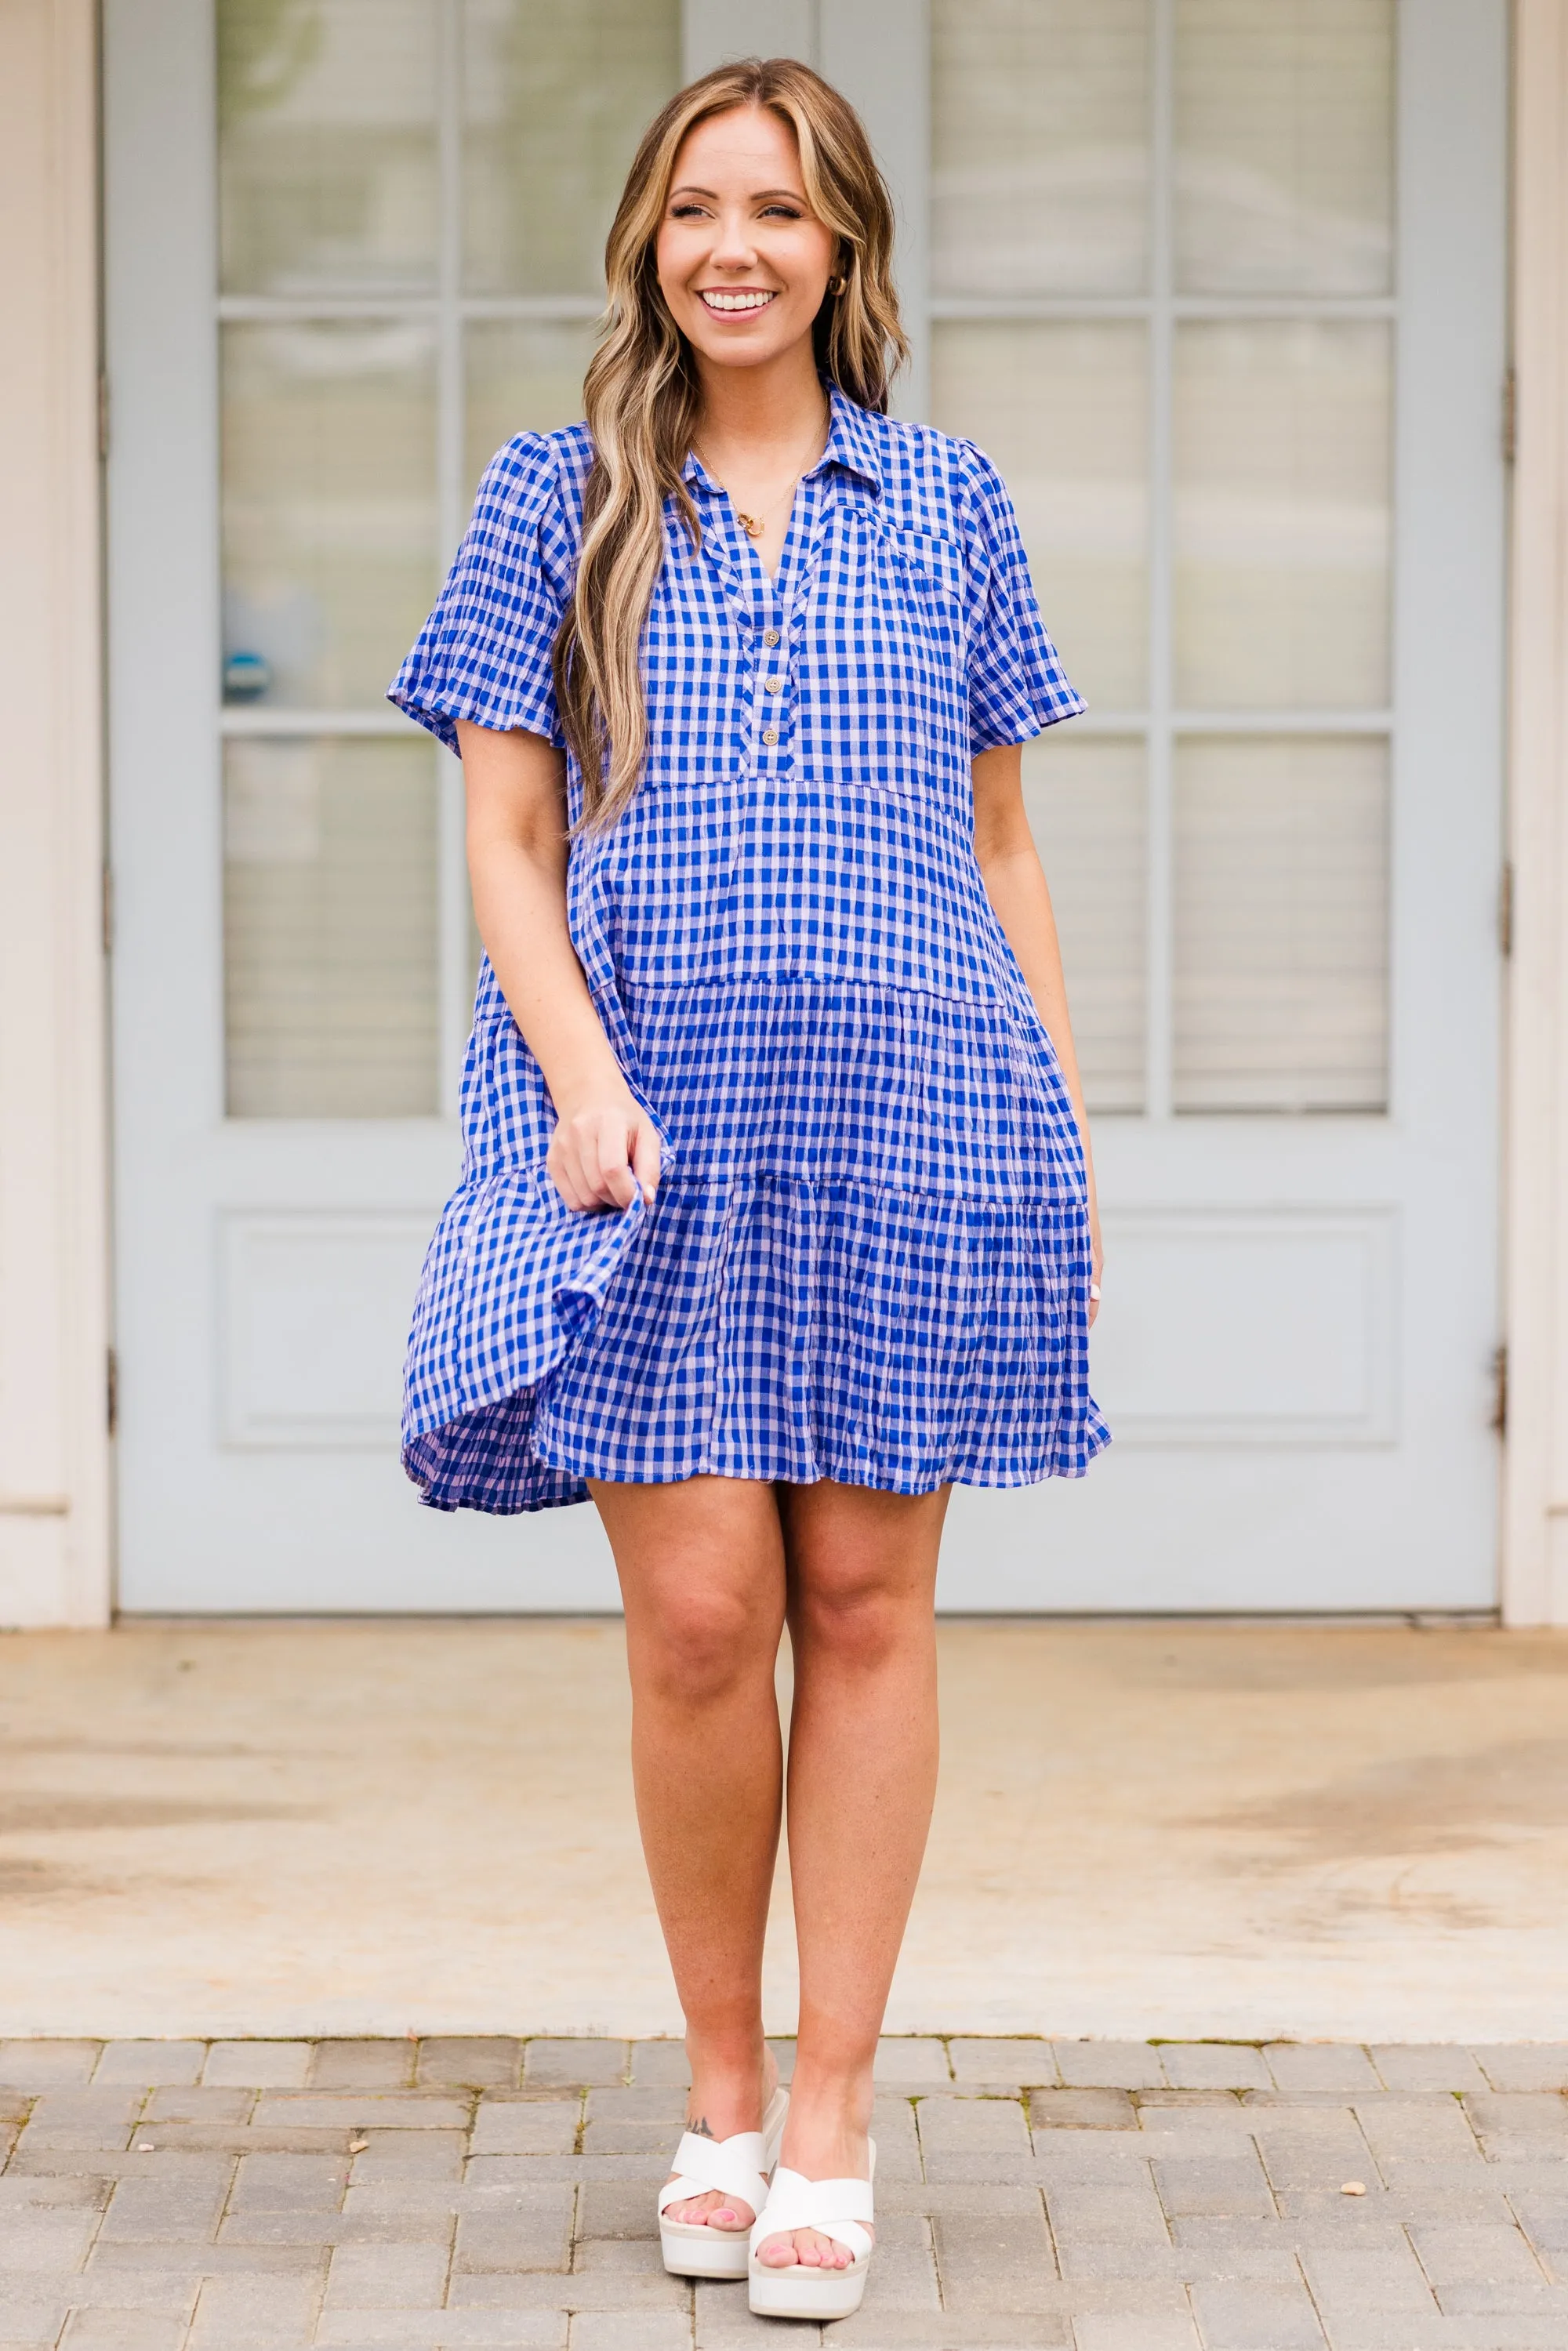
(1016, 885)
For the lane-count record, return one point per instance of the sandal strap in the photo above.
(834, 2207)
(731, 2166)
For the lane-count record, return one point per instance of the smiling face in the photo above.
(743, 261)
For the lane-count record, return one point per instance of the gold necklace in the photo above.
(752, 525)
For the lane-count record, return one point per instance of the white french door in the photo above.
(354, 244)
(1219, 284)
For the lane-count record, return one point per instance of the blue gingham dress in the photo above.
(868, 1259)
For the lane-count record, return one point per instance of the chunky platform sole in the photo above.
(691, 2249)
(798, 2293)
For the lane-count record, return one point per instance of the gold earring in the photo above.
(837, 285)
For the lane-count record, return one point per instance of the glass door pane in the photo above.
(1162, 239)
(330, 547)
(1039, 147)
(327, 145)
(554, 102)
(1281, 893)
(329, 927)
(523, 375)
(1087, 798)
(1063, 409)
(415, 197)
(1284, 140)
(1283, 513)
(1041, 123)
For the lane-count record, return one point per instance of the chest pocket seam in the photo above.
(931, 558)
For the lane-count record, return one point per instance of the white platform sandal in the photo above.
(738, 2166)
(839, 2208)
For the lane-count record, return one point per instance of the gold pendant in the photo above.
(750, 523)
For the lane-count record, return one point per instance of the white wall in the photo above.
(1535, 1532)
(54, 1442)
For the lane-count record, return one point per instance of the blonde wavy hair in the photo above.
(642, 395)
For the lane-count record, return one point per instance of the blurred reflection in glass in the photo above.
(329, 504)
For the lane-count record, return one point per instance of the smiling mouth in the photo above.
(730, 305)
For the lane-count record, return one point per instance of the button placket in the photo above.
(760, 737)
(769, 675)
(771, 642)
(764, 704)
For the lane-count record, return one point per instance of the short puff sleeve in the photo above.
(484, 653)
(1016, 685)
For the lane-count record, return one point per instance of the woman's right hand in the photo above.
(603, 1153)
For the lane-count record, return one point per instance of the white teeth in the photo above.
(716, 300)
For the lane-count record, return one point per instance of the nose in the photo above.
(733, 246)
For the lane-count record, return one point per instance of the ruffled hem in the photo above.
(511, 1277)
(490, 1462)
(776, 1329)
(487, 1461)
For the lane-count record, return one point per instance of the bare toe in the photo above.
(713, 2210)
(807, 2247)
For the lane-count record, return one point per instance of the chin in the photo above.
(738, 349)
(737, 355)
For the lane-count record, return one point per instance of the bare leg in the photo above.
(701, 1575)
(862, 1570)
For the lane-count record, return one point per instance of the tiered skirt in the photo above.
(868, 1260)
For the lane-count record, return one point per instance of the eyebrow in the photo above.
(761, 196)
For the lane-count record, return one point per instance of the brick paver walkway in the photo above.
(403, 2196)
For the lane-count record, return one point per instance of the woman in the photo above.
(775, 1219)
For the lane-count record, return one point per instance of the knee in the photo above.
(699, 1645)
(859, 1618)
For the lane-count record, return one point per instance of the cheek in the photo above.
(810, 266)
(669, 264)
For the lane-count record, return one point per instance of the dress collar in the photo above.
(852, 443)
